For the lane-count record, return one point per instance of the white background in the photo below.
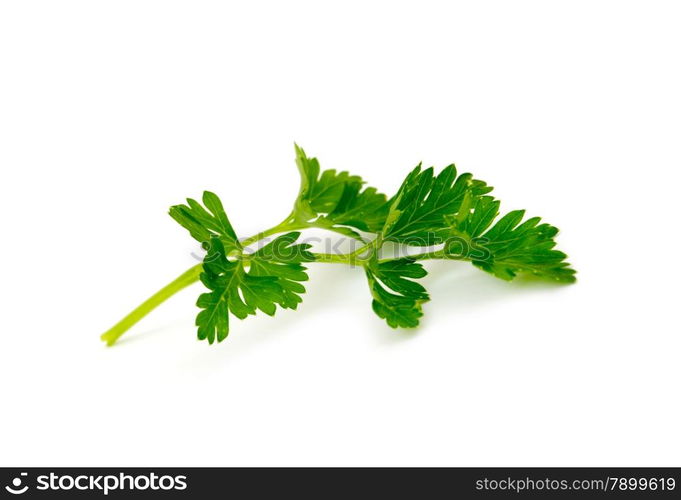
(112, 111)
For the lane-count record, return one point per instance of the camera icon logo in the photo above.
(16, 488)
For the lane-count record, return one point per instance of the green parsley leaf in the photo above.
(337, 199)
(282, 259)
(424, 205)
(510, 247)
(205, 223)
(476, 220)
(232, 290)
(396, 297)
(273, 279)
(364, 209)
(523, 248)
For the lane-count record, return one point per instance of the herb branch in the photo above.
(452, 215)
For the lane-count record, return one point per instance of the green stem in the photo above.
(353, 258)
(331, 258)
(291, 224)
(185, 279)
(339, 230)
(435, 254)
(287, 225)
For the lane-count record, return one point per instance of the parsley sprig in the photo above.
(451, 215)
